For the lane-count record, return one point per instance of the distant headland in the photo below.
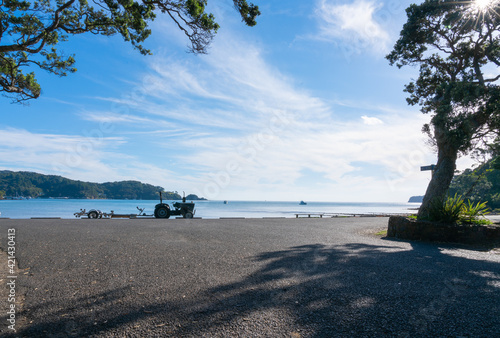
(416, 199)
(24, 184)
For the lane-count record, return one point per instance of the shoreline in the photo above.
(495, 218)
(300, 216)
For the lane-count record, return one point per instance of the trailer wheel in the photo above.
(93, 214)
(162, 212)
(188, 215)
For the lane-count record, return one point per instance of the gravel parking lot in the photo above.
(243, 277)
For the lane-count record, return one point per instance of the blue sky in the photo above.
(303, 106)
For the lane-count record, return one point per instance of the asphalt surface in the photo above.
(244, 278)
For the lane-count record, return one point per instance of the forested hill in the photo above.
(29, 184)
(481, 184)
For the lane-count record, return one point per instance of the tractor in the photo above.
(163, 210)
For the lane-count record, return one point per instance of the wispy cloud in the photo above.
(278, 132)
(354, 24)
(95, 159)
(238, 124)
(330, 150)
(54, 152)
(372, 121)
(232, 88)
(107, 117)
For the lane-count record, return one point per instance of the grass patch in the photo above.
(382, 233)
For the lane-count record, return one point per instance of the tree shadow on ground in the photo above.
(311, 290)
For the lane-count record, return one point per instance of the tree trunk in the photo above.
(442, 176)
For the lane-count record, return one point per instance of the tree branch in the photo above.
(40, 37)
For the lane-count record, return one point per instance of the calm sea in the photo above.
(65, 208)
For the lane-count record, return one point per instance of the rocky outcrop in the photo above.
(404, 228)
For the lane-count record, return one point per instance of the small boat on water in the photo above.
(302, 203)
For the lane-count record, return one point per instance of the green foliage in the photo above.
(480, 184)
(471, 212)
(480, 221)
(2, 194)
(495, 163)
(446, 209)
(30, 184)
(192, 197)
(455, 210)
(248, 12)
(31, 31)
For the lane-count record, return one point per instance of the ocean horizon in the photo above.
(65, 208)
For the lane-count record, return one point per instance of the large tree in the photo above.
(457, 46)
(31, 30)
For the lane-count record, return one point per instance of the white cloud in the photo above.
(353, 24)
(232, 88)
(330, 151)
(53, 152)
(89, 158)
(371, 121)
(248, 131)
(106, 117)
(229, 125)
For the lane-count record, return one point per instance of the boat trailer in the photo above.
(94, 213)
(162, 210)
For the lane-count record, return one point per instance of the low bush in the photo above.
(454, 210)
(471, 213)
(446, 209)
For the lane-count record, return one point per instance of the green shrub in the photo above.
(471, 213)
(446, 209)
(454, 210)
(480, 221)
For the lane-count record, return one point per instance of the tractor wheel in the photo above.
(188, 215)
(162, 212)
(93, 214)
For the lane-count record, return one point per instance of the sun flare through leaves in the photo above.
(483, 8)
(484, 5)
